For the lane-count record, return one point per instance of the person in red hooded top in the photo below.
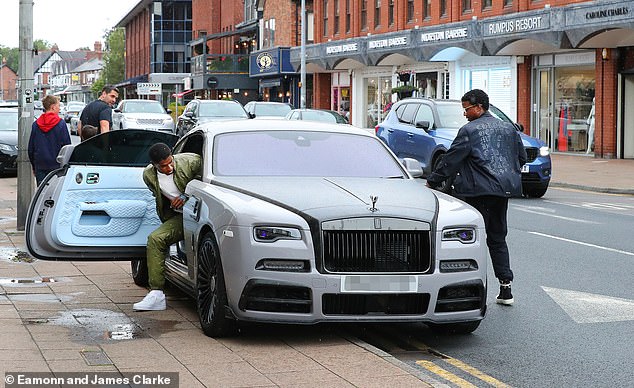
(48, 135)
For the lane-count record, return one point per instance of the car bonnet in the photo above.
(326, 198)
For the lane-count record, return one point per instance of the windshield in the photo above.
(9, 120)
(316, 115)
(272, 109)
(120, 148)
(142, 107)
(302, 153)
(222, 109)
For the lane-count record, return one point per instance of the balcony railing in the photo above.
(216, 63)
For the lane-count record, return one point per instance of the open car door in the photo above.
(96, 206)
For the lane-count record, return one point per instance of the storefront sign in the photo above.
(456, 33)
(599, 14)
(342, 48)
(513, 26)
(388, 42)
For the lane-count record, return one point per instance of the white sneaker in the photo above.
(153, 301)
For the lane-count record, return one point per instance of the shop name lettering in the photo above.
(342, 48)
(526, 24)
(457, 33)
(605, 13)
(374, 44)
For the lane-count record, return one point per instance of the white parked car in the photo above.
(285, 224)
(142, 114)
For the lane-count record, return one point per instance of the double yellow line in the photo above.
(445, 374)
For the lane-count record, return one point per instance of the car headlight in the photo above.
(274, 233)
(465, 235)
(6, 147)
(544, 151)
(168, 121)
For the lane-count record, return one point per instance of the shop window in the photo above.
(574, 92)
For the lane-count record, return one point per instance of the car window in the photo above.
(221, 109)
(191, 107)
(406, 112)
(495, 112)
(120, 148)
(315, 115)
(302, 153)
(451, 115)
(142, 107)
(9, 120)
(272, 109)
(294, 116)
(425, 113)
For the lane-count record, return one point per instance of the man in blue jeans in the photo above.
(166, 177)
(487, 155)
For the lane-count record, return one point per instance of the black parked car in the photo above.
(201, 111)
(8, 140)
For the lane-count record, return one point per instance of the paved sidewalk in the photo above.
(61, 316)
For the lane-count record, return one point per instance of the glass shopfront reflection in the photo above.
(378, 99)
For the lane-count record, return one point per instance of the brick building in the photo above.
(8, 82)
(546, 63)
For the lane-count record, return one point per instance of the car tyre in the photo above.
(455, 328)
(139, 272)
(535, 193)
(211, 293)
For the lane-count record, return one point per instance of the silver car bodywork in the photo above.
(356, 245)
(142, 114)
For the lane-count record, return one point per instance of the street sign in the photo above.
(149, 88)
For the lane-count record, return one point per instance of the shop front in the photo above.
(277, 79)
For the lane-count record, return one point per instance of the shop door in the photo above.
(544, 112)
(628, 117)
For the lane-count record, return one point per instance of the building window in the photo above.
(325, 17)
(250, 10)
(336, 28)
(364, 14)
(269, 34)
(347, 16)
(390, 12)
(443, 8)
(410, 11)
(486, 4)
(508, 3)
(427, 9)
(377, 13)
(466, 6)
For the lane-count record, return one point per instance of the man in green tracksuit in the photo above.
(166, 178)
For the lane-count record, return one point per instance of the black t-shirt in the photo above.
(94, 112)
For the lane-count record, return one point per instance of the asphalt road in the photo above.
(571, 326)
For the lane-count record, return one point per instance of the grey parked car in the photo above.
(202, 111)
(284, 225)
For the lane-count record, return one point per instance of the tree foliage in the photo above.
(113, 59)
(10, 57)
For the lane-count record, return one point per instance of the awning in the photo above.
(181, 94)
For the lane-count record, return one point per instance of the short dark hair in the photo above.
(477, 97)
(108, 88)
(159, 152)
(88, 131)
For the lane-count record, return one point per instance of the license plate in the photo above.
(379, 283)
(526, 168)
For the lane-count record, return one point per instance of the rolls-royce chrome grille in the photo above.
(376, 250)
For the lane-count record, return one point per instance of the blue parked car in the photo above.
(423, 129)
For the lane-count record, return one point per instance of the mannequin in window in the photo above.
(590, 122)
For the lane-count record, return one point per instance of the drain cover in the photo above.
(95, 358)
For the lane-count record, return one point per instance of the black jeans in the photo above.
(493, 210)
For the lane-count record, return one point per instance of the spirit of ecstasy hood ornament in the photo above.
(374, 198)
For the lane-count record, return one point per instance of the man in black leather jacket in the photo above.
(486, 157)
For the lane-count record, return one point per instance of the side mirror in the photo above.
(169, 111)
(117, 110)
(251, 115)
(189, 114)
(413, 167)
(519, 127)
(423, 124)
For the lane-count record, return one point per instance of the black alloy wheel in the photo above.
(211, 294)
(139, 272)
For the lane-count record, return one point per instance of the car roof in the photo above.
(278, 125)
(216, 101)
(140, 100)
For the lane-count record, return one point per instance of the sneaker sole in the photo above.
(506, 302)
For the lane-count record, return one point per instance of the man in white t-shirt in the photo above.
(166, 177)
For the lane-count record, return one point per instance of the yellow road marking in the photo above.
(430, 366)
(475, 372)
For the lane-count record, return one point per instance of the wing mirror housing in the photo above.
(413, 167)
(251, 115)
(519, 127)
(169, 111)
(424, 125)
